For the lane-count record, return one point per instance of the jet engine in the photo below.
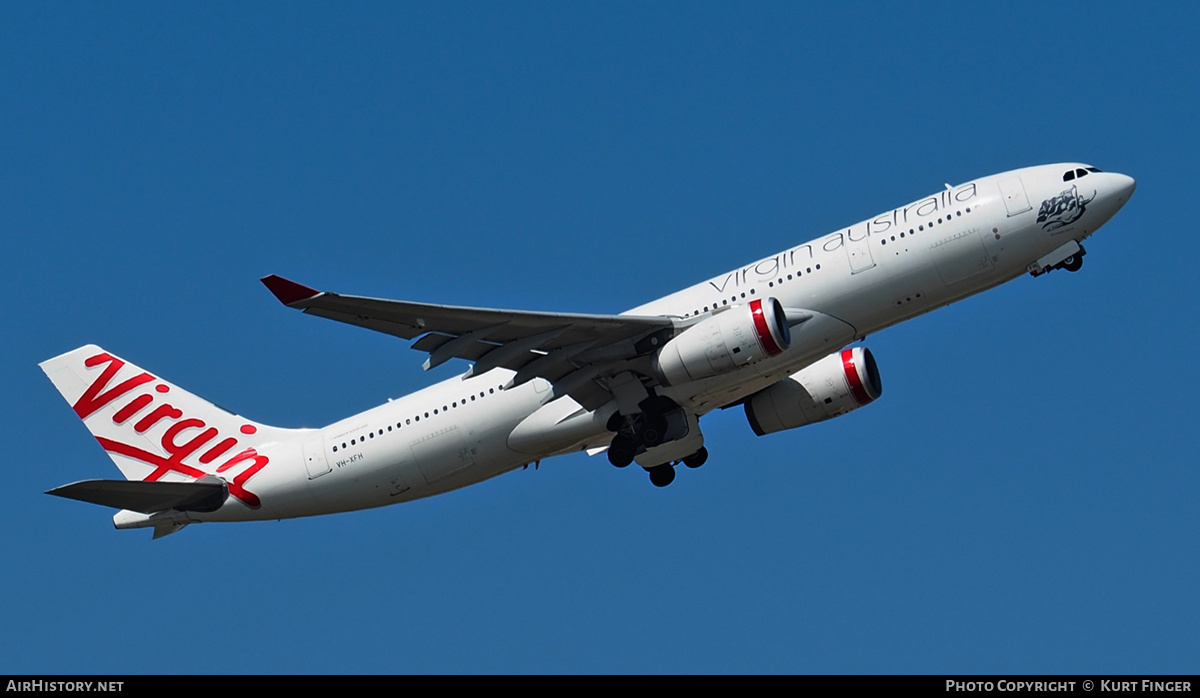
(831, 387)
(726, 341)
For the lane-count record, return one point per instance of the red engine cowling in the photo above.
(728, 340)
(835, 385)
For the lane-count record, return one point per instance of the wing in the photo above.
(575, 352)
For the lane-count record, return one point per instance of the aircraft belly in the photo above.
(960, 255)
(559, 427)
(923, 274)
(442, 453)
(492, 458)
(281, 488)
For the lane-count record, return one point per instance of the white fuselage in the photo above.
(855, 281)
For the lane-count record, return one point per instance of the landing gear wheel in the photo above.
(621, 451)
(652, 430)
(662, 475)
(1073, 263)
(697, 459)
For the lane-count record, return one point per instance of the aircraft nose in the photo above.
(1124, 187)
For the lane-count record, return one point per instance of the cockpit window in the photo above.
(1078, 172)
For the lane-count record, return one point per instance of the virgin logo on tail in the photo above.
(184, 437)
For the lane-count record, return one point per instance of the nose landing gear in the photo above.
(1069, 256)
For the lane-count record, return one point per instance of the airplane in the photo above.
(773, 337)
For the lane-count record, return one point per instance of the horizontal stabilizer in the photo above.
(206, 494)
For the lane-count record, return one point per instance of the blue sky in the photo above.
(1022, 499)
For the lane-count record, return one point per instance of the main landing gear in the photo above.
(660, 475)
(644, 429)
(658, 421)
(621, 451)
(663, 475)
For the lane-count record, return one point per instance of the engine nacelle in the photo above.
(835, 385)
(726, 341)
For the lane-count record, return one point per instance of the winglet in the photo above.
(288, 292)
